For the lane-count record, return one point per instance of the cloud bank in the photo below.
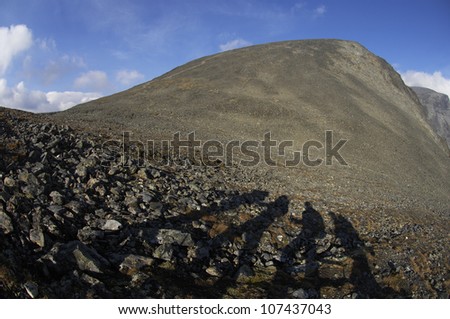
(17, 39)
(20, 97)
(435, 81)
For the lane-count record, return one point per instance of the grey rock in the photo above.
(172, 236)
(111, 225)
(32, 289)
(90, 280)
(92, 183)
(87, 258)
(132, 264)
(147, 197)
(37, 237)
(81, 170)
(324, 244)
(142, 173)
(88, 235)
(57, 198)
(9, 182)
(73, 255)
(213, 271)
(155, 173)
(28, 178)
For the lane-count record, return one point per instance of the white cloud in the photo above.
(234, 44)
(67, 99)
(435, 81)
(18, 38)
(13, 40)
(19, 97)
(92, 80)
(127, 77)
(320, 11)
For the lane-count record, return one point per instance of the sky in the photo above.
(55, 54)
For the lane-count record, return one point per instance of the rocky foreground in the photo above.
(72, 227)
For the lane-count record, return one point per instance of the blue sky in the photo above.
(57, 53)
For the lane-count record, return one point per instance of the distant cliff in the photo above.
(437, 108)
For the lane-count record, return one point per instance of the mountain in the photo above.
(297, 90)
(437, 109)
(365, 213)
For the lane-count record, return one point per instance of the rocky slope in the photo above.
(73, 227)
(437, 109)
(296, 90)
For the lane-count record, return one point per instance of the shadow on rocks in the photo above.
(205, 259)
(307, 268)
(361, 277)
(300, 256)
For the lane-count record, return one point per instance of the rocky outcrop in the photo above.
(437, 108)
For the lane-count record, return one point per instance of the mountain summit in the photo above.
(296, 90)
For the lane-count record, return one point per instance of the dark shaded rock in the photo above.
(88, 235)
(75, 255)
(5, 222)
(164, 252)
(56, 209)
(32, 289)
(156, 206)
(244, 273)
(75, 206)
